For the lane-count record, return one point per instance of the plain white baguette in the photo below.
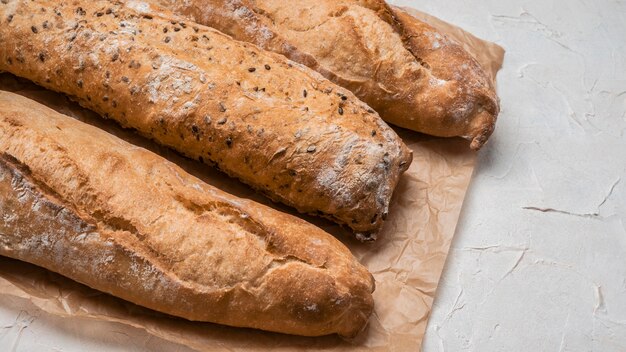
(120, 219)
(413, 75)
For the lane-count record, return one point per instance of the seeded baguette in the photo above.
(274, 124)
(410, 73)
(120, 219)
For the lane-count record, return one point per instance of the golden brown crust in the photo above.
(123, 220)
(474, 95)
(413, 75)
(274, 124)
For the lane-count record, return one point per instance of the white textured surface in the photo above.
(539, 259)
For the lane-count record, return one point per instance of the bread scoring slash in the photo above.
(274, 124)
(118, 218)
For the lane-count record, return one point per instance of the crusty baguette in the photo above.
(413, 75)
(120, 219)
(276, 125)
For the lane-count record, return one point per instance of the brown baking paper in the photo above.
(406, 261)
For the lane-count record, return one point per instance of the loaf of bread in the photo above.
(413, 75)
(120, 219)
(274, 124)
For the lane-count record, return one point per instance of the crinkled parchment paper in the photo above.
(406, 261)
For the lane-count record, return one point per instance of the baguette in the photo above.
(413, 75)
(122, 220)
(274, 124)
